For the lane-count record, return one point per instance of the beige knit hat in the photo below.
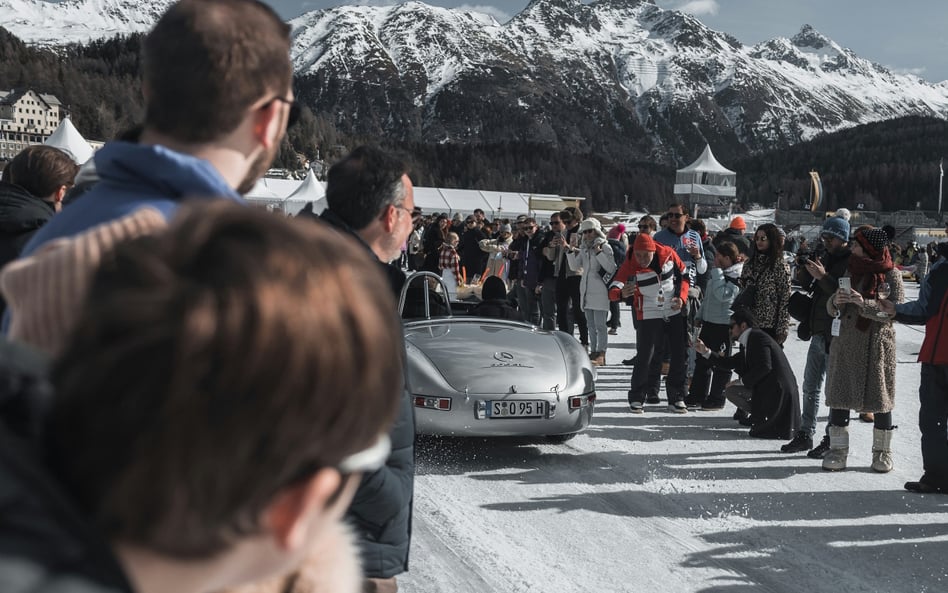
(44, 291)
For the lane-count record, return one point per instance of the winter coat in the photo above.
(473, 260)
(860, 373)
(557, 255)
(382, 506)
(765, 370)
(836, 265)
(723, 286)
(49, 543)
(930, 309)
(772, 293)
(593, 293)
(497, 309)
(497, 260)
(664, 277)
(132, 176)
(21, 215)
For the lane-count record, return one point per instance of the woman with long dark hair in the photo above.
(769, 275)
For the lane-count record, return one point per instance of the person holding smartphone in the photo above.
(862, 354)
(819, 275)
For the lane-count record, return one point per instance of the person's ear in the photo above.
(390, 218)
(60, 194)
(288, 515)
(269, 123)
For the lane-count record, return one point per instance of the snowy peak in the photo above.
(810, 38)
(78, 21)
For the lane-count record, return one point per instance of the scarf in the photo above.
(867, 273)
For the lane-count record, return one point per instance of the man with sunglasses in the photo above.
(216, 77)
(370, 198)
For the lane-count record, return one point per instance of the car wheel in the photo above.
(560, 438)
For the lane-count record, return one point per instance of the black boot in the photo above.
(802, 441)
(820, 451)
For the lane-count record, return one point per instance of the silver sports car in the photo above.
(475, 376)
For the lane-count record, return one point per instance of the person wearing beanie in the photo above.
(862, 358)
(734, 233)
(494, 302)
(594, 257)
(656, 280)
(836, 227)
(820, 276)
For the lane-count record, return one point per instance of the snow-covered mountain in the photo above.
(78, 21)
(621, 77)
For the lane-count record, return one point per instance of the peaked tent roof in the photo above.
(707, 163)
(67, 138)
(309, 190)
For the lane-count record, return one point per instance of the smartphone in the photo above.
(844, 284)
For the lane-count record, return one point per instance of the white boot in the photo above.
(835, 459)
(881, 450)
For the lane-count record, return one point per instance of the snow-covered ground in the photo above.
(676, 503)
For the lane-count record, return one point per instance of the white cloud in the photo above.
(694, 7)
(499, 15)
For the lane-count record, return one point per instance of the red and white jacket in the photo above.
(655, 285)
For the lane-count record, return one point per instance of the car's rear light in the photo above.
(578, 401)
(433, 403)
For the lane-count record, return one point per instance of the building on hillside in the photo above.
(26, 118)
(706, 186)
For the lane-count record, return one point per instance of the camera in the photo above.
(802, 257)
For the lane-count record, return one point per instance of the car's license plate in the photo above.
(516, 409)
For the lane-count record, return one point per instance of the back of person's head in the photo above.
(728, 250)
(494, 289)
(743, 315)
(698, 226)
(363, 184)
(575, 213)
(41, 170)
(198, 386)
(207, 62)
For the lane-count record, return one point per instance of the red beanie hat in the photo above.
(643, 242)
(738, 223)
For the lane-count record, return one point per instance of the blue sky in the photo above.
(907, 36)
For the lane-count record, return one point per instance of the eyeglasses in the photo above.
(367, 460)
(469, 222)
(402, 207)
(294, 114)
(674, 215)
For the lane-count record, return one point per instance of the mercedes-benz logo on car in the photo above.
(506, 359)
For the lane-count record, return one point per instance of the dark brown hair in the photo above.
(207, 62)
(729, 250)
(774, 243)
(41, 170)
(215, 364)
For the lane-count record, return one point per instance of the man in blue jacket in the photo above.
(216, 78)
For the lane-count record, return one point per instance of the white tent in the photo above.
(68, 139)
(706, 185)
(310, 190)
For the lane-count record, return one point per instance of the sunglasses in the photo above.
(674, 215)
(760, 238)
(367, 460)
(293, 116)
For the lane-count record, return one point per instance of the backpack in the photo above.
(618, 253)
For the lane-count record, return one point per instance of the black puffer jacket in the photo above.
(46, 543)
(381, 508)
(21, 215)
